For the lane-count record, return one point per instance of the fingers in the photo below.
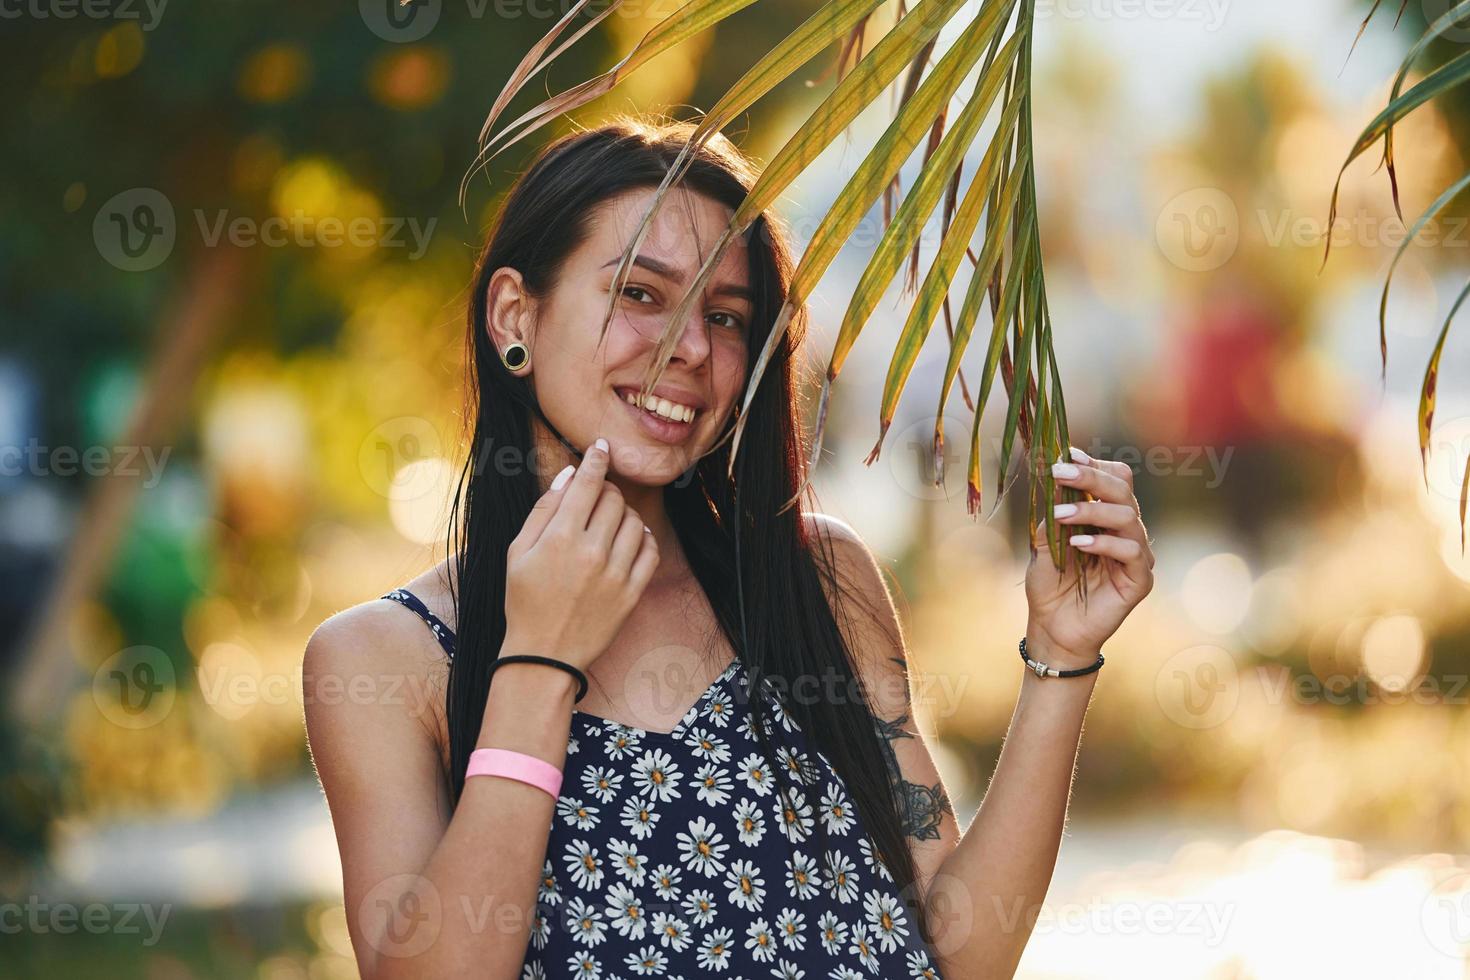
(1126, 551)
(606, 517)
(582, 492)
(643, 566)
(1096, 481)
(1116, 509)
(541, 514)
(1119, 469)
(627, 543)
(1098, 513)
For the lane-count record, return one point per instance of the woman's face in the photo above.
(584, 387)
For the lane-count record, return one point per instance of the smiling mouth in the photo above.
(660, 408)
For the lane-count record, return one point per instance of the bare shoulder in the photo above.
(864, 608)
(374, 666)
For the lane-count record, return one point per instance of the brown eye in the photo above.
(637, 289)
(734, 321)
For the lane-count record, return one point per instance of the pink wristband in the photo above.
(515, 765)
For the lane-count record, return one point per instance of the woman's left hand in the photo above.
(1061, 630)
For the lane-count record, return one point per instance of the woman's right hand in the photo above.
(577, 568)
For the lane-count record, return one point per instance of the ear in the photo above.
(510, 309)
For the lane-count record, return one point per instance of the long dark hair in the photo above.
(763, 572)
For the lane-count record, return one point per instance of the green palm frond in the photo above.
(994, 45)
(1446, 78)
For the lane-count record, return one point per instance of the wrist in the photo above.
(526, 680)
(529, 709)
(1040, 646)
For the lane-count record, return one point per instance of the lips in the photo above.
(672, 407)
(657, 427)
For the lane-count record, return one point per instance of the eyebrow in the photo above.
(659, 267)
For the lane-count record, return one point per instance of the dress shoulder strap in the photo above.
(442, 633)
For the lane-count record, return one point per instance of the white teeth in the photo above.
(662, 407)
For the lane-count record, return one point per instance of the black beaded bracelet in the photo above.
(1042, 670)
(531, 658)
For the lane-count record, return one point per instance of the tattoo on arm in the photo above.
(922, 807)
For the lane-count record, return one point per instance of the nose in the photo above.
(693, 346)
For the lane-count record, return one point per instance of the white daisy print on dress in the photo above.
(862, 946)
(639, 816)
(837, 811)
(747, 889)
(707, 746)
(803, 880)
(750, 822)
(540, 930)
(714, 784)
(625, 909)
(715, 950)
(576, 813)
(886, 916)
(621, 742)
(787, 970)
(656, 776)
(872, 860)
(919, 966)
(702, 849)
(602, 783)
(647, 962)
(533, 971)
(548, 892)
(584, 864)
(585, 966)
(842, 877)
(629, 863)
(583, 921)
(672, 931)
(794, 815)
(760, 941)
(700, 906)
(718, 709)
(796, 763)
(788, 926)
(665, 881)
(757, 776)
(833, 932)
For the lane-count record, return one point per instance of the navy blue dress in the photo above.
(671, 855)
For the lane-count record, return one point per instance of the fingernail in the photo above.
(600, 443)
(561, 478)
(1080, 456)
(1082, 540)
(647, 529)
(1064, 510)
(1064, 471)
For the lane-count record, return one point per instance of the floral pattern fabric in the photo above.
(675, 854)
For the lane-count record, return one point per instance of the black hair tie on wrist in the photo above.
(531, 658)
(1042, 670)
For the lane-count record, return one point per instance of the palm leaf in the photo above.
(1443, 79)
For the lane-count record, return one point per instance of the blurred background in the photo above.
(232, 281)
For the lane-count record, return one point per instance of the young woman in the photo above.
(740, 789)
